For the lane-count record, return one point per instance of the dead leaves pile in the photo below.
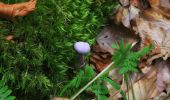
(150, 21)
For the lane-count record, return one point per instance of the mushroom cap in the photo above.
(82, 47)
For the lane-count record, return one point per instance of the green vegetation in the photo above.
(5, 92)
(78, 81)
(127, 60)
(41, 59)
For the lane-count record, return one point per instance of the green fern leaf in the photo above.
(125, 59)
(100, 90)
(79, 80)
(10, 98)
(5, 92)
(115, 46)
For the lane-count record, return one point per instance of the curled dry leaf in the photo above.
(100, 58)
(20, 9)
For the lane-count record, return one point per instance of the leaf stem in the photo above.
(94, 79)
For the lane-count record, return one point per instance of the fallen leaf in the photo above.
(20, 9)
(165, 3)
(154, 2)
(100, 58)
(164, 95)
(160, 3)
(152, 25)
(114, 34)
(9, 37)
(163, 75)
(144, 89)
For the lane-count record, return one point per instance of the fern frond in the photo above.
(125, 59)
(100, 90)
(5, 92)
(79, 80)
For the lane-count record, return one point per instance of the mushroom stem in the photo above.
(81, 60)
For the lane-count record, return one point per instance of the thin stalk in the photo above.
(127, 85)
(133, 93)
(94, 79)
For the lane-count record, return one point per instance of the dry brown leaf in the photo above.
(124, 2)
(165, 3)
(19, 9)
(160, 3)
(153, 26)
(154, 2)
(163, 75)
(164, 95)
(160, 71)
(144, 89)
(100, 58)
(149, 71)
(125, 15)
(9, 37)
(159, 35)
(113, 34)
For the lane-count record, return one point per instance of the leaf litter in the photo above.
(145, 25)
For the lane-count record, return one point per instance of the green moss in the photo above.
(37, 64)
